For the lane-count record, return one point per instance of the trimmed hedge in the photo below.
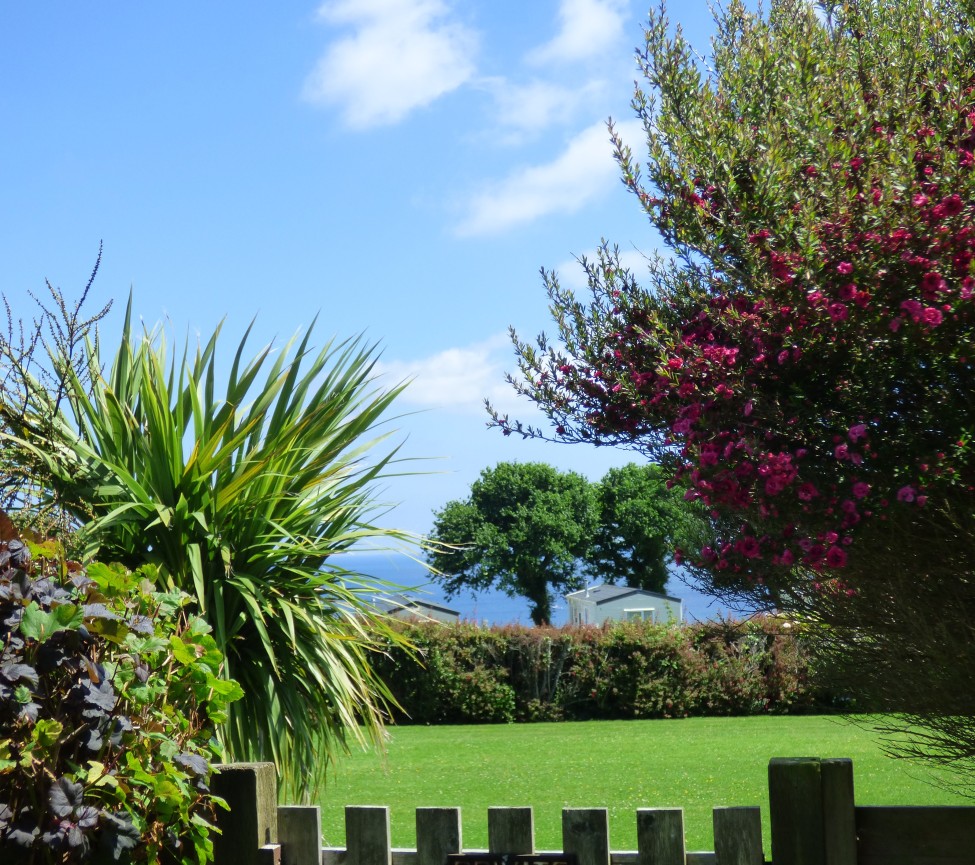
(474, 675)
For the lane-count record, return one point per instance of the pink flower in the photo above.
(919, 200)
(857, 431)
(895, 324)
(841, 452)
(838, 311)
(952, 204)
(906, 494)
(932, 317)
(845, 268)
(748, 547)
(848, 292)
(861, 489)
(933, 282)
(835, 557)
(749, 407)
(807, 492)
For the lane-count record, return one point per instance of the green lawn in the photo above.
(695, 764)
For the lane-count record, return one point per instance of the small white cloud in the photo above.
(582, 172)
(458, 379)
(401, 55)
(587, 28)
(532, 107)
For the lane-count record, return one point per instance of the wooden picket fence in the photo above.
(813, 820)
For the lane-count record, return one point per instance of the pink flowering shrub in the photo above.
(804, 361)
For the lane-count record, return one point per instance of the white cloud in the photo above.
(459, 379)
(587, 29)
(532, 107)
(401, 55)
(582, 172)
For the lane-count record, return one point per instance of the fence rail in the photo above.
(812, 817)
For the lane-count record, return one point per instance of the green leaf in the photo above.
(47, 732)
(183, 652)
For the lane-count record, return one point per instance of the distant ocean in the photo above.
(496, 608)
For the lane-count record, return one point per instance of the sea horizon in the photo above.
(495, 607)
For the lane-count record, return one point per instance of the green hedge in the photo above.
(473, 675)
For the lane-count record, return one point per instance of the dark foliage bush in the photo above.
(623, 670)
(109, 697)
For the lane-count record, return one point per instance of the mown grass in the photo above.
(695, 763)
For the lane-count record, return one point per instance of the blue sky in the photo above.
(402, 168)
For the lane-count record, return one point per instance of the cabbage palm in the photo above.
(246, 500)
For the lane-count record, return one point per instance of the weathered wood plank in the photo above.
(251, 791)
(796, 811)
(585, 832)
(367, 836)
(915, 835)
(738, 835)
(269, 854)
(839, 820)
(438, 832)
(702, 858)
(660, 836)
(300, 834)
(511, 830)
(402, 856)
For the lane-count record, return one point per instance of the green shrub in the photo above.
(622, 670)
(109, 697)
(463, 678)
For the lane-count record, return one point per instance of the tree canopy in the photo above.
(802, 359)
(531, 530)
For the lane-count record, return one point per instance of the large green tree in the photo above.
(246, 497)
(640, 521)
(803, 358)
(524, 529)
(531, 531)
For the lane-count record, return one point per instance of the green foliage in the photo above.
(529, 529)
(110, 694)
(640, 523)
(523, 529)
(246, 500)
(626, 670)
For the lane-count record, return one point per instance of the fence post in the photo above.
(660, 836)
(511, 830)
(300, 834)
(585, 832)
(839, 812)
(250, 789)
(738, 836)
(367, 839)
(438, 833)
(795, 792)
